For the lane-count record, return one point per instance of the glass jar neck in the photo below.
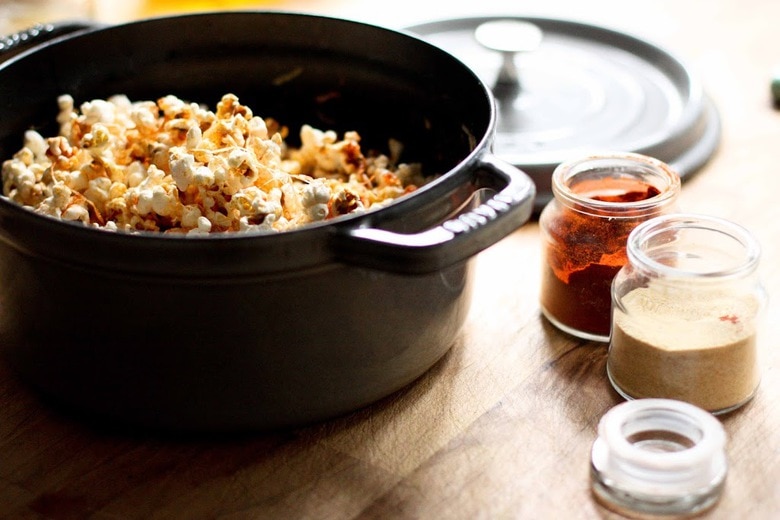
(693, 248)
(616, 185)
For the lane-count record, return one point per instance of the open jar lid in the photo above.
(566, 88)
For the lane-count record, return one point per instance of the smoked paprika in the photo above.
(598, 201)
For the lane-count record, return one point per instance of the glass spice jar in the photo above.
(656, 457)
(597, 201)
(687, 311)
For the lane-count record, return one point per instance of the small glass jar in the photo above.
(658, 457)
(687, 311)
(597, 201)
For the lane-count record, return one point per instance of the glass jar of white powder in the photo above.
(686, 313)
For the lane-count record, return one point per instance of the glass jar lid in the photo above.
(658, 457)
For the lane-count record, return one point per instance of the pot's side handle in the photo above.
(13, 44)
(452, 241)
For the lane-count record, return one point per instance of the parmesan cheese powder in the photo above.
(694, 346)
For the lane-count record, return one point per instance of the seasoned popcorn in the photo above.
(177, 167)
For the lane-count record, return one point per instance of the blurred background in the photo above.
(667, 23)
(656, 18)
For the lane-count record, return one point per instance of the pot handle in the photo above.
(452, 241)
(14, 44)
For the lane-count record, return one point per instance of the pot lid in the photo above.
(565, 89)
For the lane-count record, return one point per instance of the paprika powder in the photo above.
(597, 202)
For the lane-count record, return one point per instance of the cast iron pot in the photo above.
(237, 332)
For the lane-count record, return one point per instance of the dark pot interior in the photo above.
(295, 68)
(298, 69)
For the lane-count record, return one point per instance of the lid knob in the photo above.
(508, 37)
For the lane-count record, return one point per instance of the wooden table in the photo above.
(502, 426)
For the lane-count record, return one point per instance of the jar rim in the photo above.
(626, 164)
(662, 415)
(657, 473)
(656, 230)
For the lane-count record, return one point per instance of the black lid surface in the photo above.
(570, 89)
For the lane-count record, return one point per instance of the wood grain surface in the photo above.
(502, 426)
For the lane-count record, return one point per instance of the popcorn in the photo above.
(178, 167)
(316, 196)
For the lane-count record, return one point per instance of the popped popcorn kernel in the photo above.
(177, 167)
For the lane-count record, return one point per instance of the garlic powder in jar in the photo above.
(686, 313)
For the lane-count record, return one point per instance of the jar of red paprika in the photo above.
(597, 201)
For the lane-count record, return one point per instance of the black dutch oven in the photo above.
(236, 332)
